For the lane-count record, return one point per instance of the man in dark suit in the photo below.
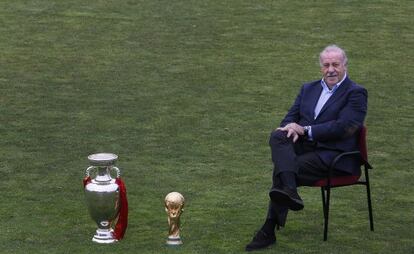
(323, 121)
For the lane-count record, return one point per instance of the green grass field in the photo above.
(186, 93)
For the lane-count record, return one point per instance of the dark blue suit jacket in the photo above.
(336, 129)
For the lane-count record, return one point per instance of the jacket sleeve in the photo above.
(293, 115)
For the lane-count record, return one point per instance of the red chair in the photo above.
(335, 182)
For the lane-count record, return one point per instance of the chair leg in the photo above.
(371, 217)
(325, 206)
(323, 200)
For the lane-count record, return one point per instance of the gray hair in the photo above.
(334, 48)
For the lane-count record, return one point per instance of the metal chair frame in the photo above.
(326, 189)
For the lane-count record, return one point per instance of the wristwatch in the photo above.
(306, 130)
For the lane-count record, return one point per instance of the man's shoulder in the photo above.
(347, 82)
(312, 84)
(354, 85)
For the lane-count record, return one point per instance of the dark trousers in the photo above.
(299, 158)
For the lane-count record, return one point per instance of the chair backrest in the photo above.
(363, 144)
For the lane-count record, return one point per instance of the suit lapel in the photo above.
(315, 93)
(338, 93)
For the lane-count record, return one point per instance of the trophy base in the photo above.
(104, 236)
(173, 241)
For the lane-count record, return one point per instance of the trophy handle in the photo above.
(118, 172)
(87, 172)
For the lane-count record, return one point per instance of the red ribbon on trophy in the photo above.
(122, 222)
(86, 180)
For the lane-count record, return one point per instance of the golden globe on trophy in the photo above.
(106, 198)
(174, 204)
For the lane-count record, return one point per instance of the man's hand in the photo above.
(294, 130)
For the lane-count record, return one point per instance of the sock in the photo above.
(288, 179)
(269, 226)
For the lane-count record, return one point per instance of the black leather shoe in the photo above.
(287, 197)
(261, 240)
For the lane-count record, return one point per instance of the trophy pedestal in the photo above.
(172, 241)
(104, 236)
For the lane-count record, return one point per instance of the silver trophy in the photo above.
(102, 195)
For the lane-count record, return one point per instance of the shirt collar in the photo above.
(326, 88)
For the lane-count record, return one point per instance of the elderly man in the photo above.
(323, 121)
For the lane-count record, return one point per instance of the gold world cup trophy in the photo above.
(174, 203)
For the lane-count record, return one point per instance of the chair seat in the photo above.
(338, 181)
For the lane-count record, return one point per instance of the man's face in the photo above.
(333, 68)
